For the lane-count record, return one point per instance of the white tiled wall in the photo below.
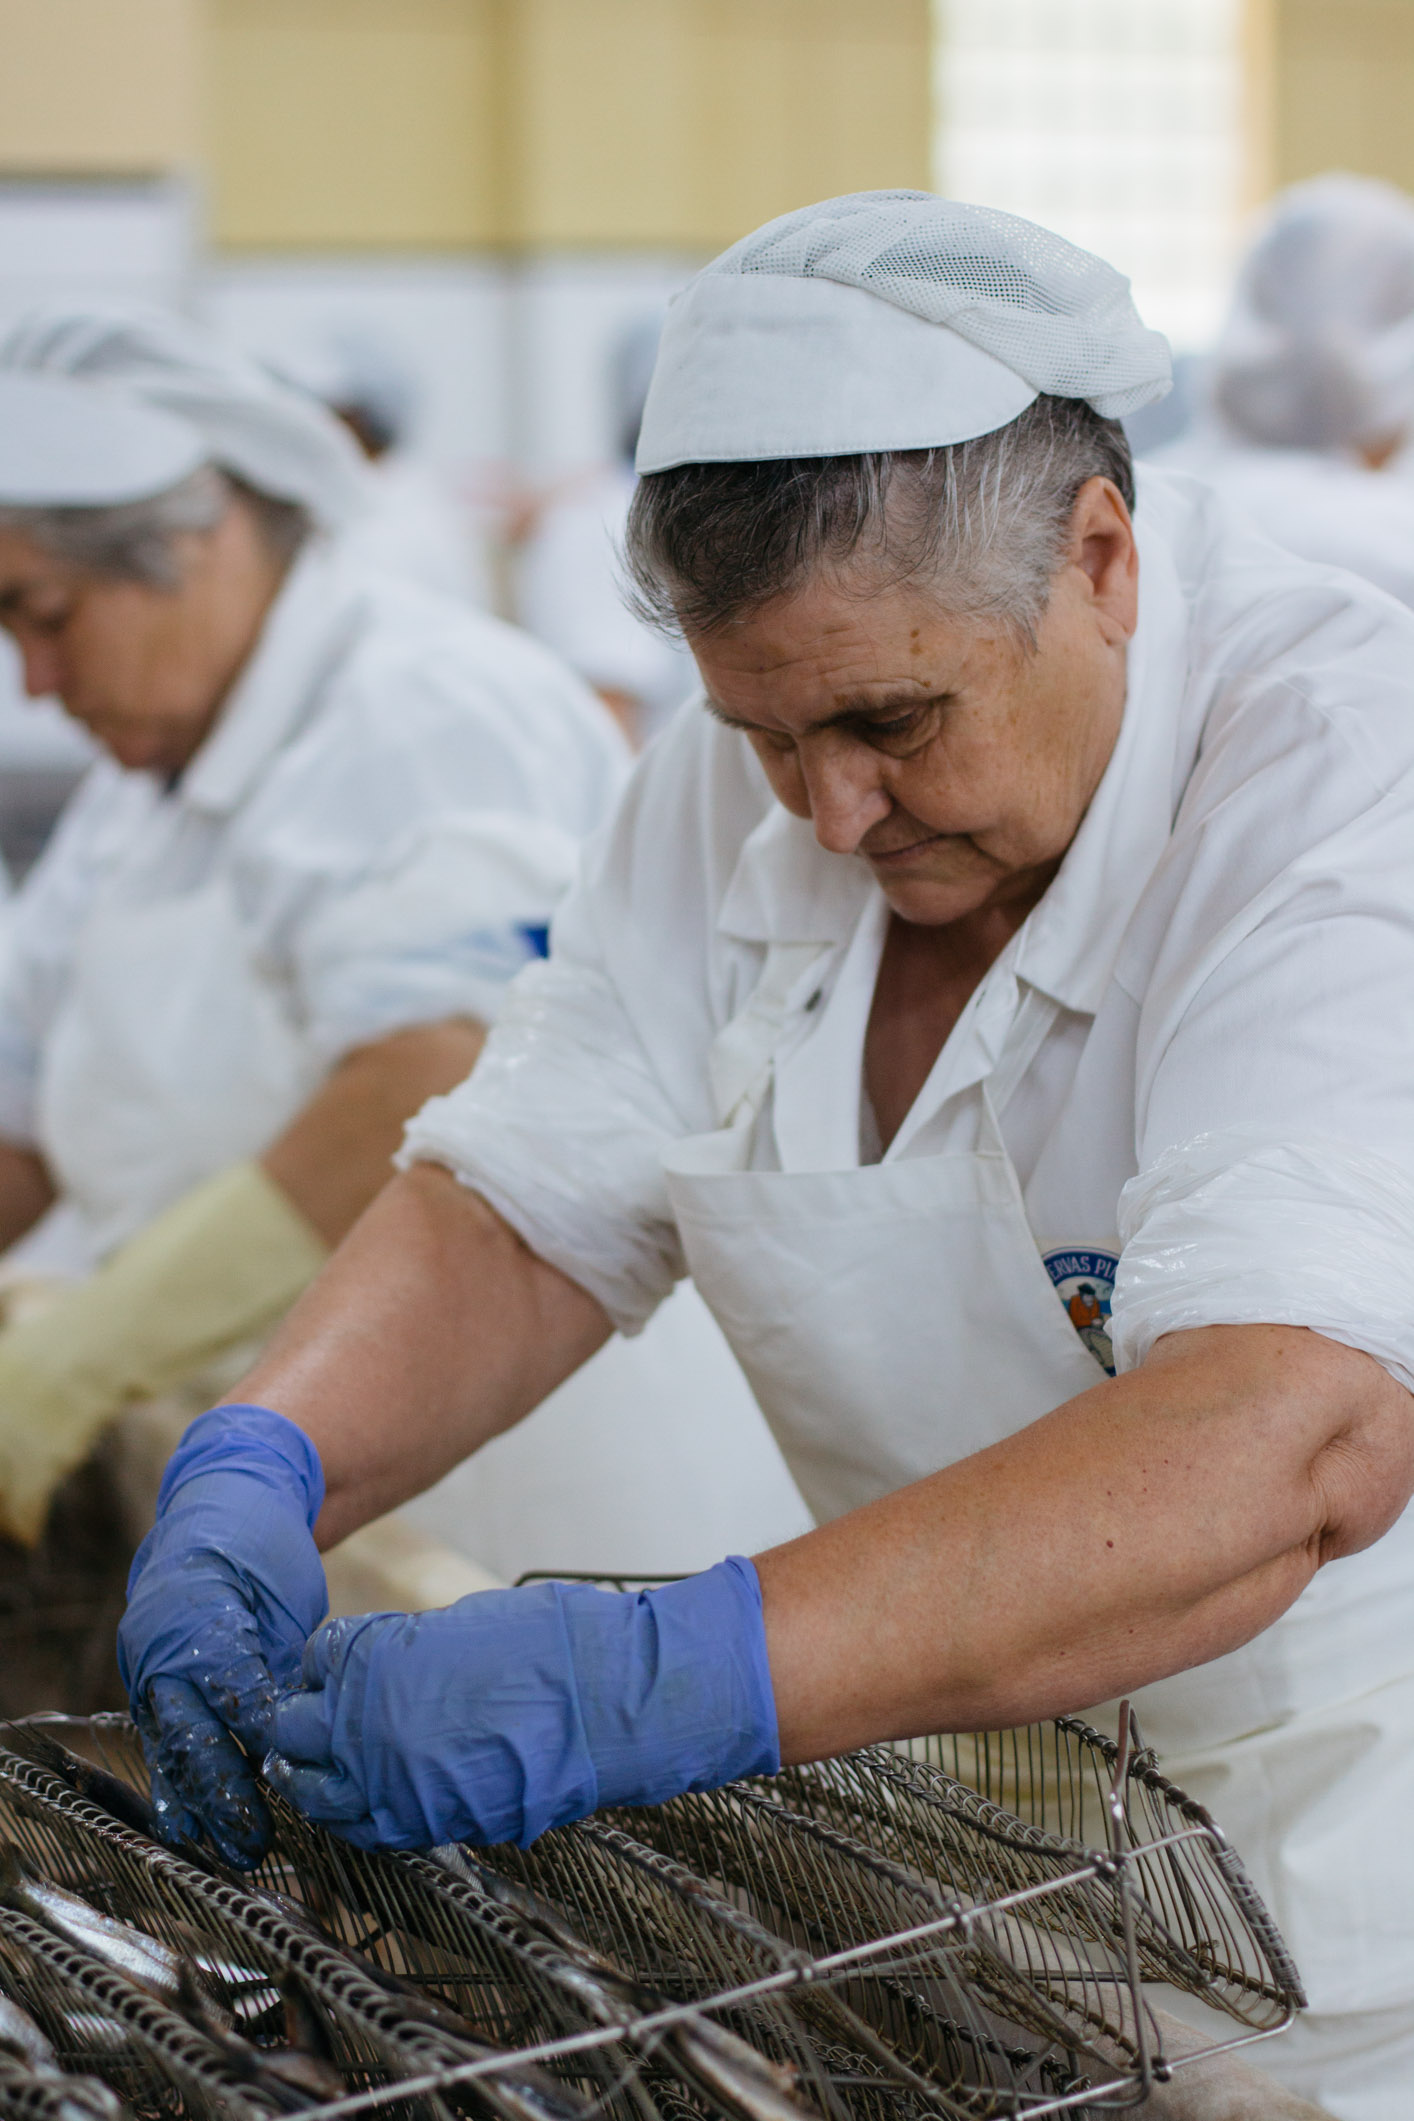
(1120, 123)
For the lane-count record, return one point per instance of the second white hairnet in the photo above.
(1318, 349)
(266, 432)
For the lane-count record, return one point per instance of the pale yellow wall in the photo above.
(98, 87)
(352, 122)
(686, 122)
(1343, 90)
(440, 123)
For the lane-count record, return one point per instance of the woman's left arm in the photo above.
(338, 1152)
(1154, 1522)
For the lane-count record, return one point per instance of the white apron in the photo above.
(174, 1054)
(177, 1052)
(897, 1317)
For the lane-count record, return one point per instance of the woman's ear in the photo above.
(1102, 547)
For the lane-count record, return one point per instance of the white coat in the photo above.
(1322, 507)
(1181, 1096)
(383, 819)
(389, 806)
(413, 529)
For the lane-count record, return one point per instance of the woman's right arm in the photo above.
(433, 1329)
(26, 1191)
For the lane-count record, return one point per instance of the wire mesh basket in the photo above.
(959, 1928)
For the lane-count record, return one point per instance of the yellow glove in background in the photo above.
(222, 1265)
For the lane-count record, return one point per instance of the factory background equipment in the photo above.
(961, 1927)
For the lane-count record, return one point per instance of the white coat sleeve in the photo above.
(437, 930)
(446, 839)
(1275, 1110)
(40, 931)
(560, 1127)
(597, 1063)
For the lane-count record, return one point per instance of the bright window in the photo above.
(1119, 123)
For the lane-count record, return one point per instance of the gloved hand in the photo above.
(513, 1711)
(222, 1264)
(223, 1593)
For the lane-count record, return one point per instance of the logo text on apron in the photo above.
(1084, 1281)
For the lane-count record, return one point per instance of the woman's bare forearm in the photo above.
(26, 1191)
(1153, 1523)
(432, 1329)
(335, 1155)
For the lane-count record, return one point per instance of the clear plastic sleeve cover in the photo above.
(1232, 1228)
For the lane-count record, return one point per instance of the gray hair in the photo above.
(980, 525)
(134, 541)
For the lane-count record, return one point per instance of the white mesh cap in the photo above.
(67, 445)
(1318, 348)
(889, 320)
(269, 434)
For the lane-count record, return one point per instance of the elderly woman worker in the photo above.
(1028, 906)
(334, 817)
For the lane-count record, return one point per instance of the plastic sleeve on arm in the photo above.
(1231, 1228)
(561, 1128)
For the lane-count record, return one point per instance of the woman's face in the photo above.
(956, 762)
(144, 669)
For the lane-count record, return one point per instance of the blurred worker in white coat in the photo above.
(570, 589)
(411, 525)
(996, 993)
(1310, 391)
(334, 817)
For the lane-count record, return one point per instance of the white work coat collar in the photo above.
(306, 631)
(786, 888)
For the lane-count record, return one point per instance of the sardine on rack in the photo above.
(153, 1966)
(33, 2087)
(703, 2052)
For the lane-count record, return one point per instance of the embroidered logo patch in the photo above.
(1084, 1281)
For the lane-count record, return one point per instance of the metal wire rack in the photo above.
(958, 1928)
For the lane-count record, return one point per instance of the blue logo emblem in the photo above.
(1084, 1281)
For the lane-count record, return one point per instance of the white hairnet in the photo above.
(268, 434)
(353, 366)
(65, 444)
(1318, 350)
(889, 320)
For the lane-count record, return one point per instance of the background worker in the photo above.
(413, 526)
(1031, 898)
(570, 589)
(1309, 402)
(334, 818)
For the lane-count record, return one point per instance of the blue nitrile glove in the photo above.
(513, 1711)
(222, 1595)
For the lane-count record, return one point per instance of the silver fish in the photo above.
(151, 1965)
(21, 2037)
(91, 2029)
(25, 2054)
(51, 2095)
(290, 2078)
(753, 2087)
